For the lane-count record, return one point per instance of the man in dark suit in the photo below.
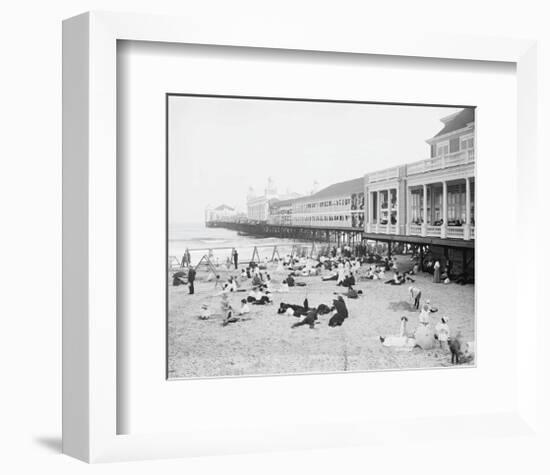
(235, 258)
(191, 279)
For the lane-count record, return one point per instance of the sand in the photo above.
(267, 345)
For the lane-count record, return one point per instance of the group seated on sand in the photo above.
(310, 316)
(428, 336)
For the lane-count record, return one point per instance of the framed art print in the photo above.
(282, 243)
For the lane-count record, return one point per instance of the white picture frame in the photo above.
(90, 229)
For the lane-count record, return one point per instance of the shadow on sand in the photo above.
(401, 306)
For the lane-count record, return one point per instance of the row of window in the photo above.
(347, 220)
(453, 145)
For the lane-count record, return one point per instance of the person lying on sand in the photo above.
(400, 341)
(230, 318)
(308, 319)
(297, 310)
(332, 276)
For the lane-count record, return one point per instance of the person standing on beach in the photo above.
(415, 295)
(191, 279)
(235, 258)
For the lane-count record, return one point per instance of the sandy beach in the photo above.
(266, 344)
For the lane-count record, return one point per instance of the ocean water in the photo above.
(199, 240)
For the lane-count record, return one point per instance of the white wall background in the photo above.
(30, 236)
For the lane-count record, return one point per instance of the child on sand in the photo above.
(443, 332)
(424, 317)
(205, 312)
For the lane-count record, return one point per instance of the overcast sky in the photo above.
(219, 147)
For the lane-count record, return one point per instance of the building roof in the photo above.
(276, 202)
(224, 207)
(337, 189)
(456, 121)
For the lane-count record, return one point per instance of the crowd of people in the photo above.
(345, 268)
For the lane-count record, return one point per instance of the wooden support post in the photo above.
(275, 251)
(255, 253)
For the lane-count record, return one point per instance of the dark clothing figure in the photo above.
(416, 293)
(178, 278)
(263, 300)
(290, 281)
(191, 280)
(336, 320)
(352, 293)
(323, 309)
(235, 258)
(306, 304)
(297, 309)
(341, 313)
(348, 281)
(455, 348)
(229, 319)
(340, 307)
(308, 320)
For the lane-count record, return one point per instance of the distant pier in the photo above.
(330, 235)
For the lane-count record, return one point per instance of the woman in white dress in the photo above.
(402, 340)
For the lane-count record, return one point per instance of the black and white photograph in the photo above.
(276, 237)
(311, 236)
